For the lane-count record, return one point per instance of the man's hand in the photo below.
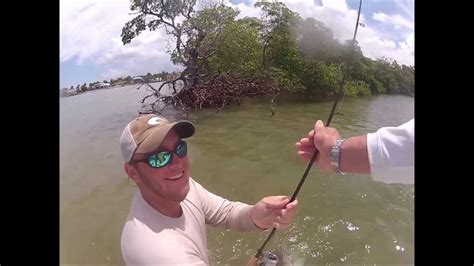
(320, 139)
(274, 211)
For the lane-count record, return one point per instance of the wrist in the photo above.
(253, 220)
(335, 155)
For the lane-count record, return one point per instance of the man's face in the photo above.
(170, 182)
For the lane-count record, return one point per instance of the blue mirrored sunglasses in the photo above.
(162, 158)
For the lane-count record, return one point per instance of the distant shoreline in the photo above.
(68, 94)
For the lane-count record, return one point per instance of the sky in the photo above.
(91, 48)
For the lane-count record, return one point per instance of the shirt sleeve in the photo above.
(392, 153)
(223, 213)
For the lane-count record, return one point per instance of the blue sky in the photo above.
(91, 49)
(72, 73)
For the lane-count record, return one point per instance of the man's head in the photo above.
(155, 156)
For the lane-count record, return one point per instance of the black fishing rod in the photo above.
(339, 96)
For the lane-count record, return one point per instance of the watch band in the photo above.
(336, 155)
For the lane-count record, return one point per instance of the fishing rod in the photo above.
(253, 261)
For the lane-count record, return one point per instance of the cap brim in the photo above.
(184, 129)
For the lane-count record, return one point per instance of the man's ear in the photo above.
(132, 172)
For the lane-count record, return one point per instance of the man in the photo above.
(167, 220)
(388, 155)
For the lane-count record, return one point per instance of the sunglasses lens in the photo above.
(181, 149)
(160, 159)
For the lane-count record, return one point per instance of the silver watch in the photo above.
(336, 155)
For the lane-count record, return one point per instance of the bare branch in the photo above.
(190, 10)
(181, 77)
(148, 96)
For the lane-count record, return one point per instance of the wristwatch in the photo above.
(336, 155)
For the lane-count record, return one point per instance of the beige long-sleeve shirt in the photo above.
(151, 238)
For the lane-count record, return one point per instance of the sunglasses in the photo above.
(163, 158)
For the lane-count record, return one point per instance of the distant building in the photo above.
(71, 91)
(173, 75)
(100, 85)
(138, 80)
(119, 82)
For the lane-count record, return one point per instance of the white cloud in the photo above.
(397, 20)
(408, 7)
(338, 5)
(88, 27)
(380, 16)
(90, 31)
(246, 10)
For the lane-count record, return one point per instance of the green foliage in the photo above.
(238, 52)
(285, 80)
(322, 78)
(354, 88)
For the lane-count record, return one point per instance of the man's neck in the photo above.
(166, 207)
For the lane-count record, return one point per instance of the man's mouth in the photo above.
(176, 177)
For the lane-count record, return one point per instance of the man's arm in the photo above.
(221, 212)
(354, 156)
(273, 211)
(388, 154)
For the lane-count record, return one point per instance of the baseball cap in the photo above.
(146, 133)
